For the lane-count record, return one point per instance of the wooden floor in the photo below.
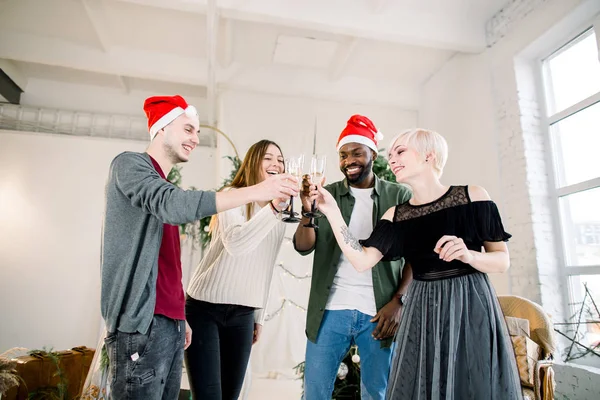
(275, 389)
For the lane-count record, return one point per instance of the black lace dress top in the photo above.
(416, 230)
(452, 342)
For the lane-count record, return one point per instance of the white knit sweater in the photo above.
(238, 265)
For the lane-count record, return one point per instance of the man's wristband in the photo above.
(401, 298)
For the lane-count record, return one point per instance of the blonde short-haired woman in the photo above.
(452, 342)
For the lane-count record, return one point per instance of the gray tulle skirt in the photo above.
(453, 344)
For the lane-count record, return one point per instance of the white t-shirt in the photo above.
(353, 290)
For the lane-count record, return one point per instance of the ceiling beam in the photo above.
(380, 5)
(126, 62)
(341, 57)
(4, 4)
(14, 72)
(225, 50)
(94, 10)
(597, 32)
(179, 5)
(359, 21)
(124, 82)
(117, 61)
(407, 29)
(212, 26)
(9, 89)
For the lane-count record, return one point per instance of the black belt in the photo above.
(443, 274)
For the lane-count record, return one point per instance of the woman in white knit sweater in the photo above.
(228, 292)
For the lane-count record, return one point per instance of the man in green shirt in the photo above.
(347, 307)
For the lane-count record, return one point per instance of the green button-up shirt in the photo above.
(386, 275)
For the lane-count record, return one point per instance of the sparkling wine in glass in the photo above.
(317, 172)
(294, 167)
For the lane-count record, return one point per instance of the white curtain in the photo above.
(283, 341)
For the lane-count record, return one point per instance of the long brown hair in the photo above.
(249, 174)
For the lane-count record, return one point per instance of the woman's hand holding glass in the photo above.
(294, 167)
(323, 200)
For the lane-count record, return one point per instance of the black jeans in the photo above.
(216, 360)
(149, 366)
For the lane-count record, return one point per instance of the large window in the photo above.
(572, 94)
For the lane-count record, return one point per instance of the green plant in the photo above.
(8, 374)
(382, 169)
(104, 357)
(348, 387)
(347, 381)
(198, 231)
(58, 392)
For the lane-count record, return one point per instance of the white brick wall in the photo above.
(576, 382)
(505, 20)
(524, 164)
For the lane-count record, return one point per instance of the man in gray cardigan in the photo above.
(142, 297)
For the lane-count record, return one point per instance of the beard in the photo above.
(172, 154)
(364, 173)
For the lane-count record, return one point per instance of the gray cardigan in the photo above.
(138, 202)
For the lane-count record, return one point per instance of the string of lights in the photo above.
(284, 302)
(290, 273)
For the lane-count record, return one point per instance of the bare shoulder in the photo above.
(478, 193)
(389, 214)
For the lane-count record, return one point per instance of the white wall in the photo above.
(290, 121)
(457, 102)
(498, 90)
(576, 382)
(51, 207)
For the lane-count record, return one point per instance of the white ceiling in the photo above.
(370, 51)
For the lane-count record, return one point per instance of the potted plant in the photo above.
(8, 375)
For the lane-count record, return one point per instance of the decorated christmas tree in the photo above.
(347, 381)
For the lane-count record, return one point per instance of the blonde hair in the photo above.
(425, 142)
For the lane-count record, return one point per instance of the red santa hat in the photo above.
(162, 110)
(360, 129)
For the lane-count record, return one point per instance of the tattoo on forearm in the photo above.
(351, 240)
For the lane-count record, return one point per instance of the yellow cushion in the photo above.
(517, 326)
(528, 394)
(527, 353)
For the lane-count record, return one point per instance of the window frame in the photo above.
(547, 119)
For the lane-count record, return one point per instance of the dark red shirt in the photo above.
(170, 298)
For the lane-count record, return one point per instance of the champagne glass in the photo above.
(294, 166)
(317, 171)
(289, 166)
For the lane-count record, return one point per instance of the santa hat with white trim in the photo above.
(360, 129)
(162, 110)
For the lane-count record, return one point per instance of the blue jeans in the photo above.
(339, 330)
(149, 366)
